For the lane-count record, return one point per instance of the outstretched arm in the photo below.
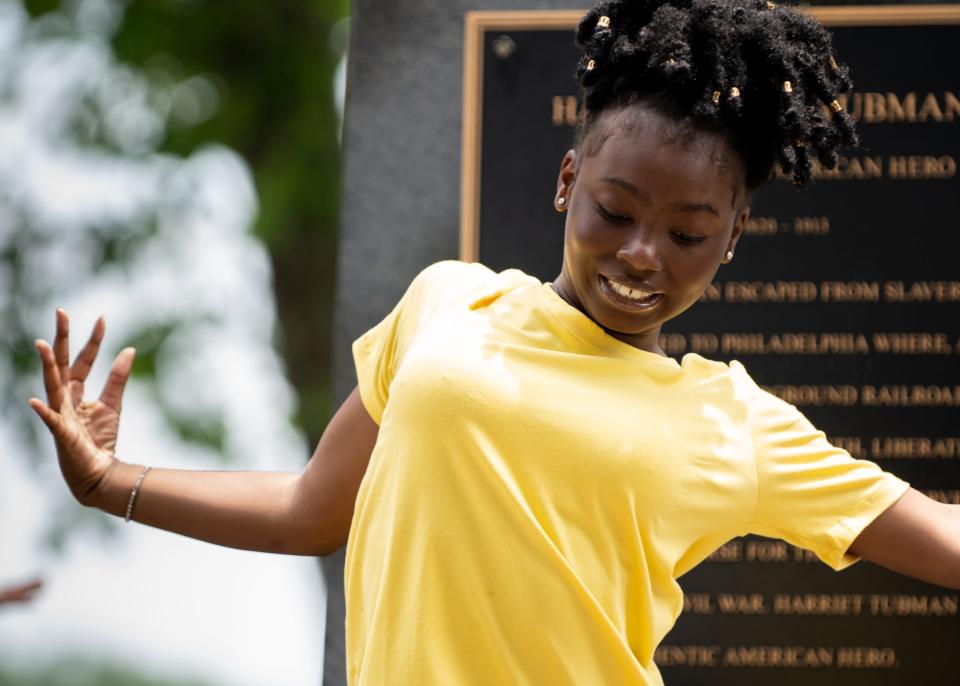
(306, 514)
(915, 536)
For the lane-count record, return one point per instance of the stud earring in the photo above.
(728, 257)
(561, 204)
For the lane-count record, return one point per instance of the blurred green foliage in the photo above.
(79, 672)
(256, 77)
(272, 65)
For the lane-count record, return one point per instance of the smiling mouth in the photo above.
(626, 297)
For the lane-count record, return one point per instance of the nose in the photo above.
(641, 253)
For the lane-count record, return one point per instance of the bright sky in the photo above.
(147, 599)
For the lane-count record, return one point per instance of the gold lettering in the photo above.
(850, 291)
(804, 555)
(917, 448)
(811, 226)
(741, 604)
(564, 110)
(910, 396)
(712, 294)
(921, 167)
(852, 444)
(698, 604)
(914, 605)
(673, 343)
(704, 343)
(794, 344)
(930, 108)
(842, 396)
(890, 108)
(728, 552)
(761, 226)
(912, 343)
(951, 106)
(905, 110)
(874, 107)
(766, 551)
(852, 106)
(866, 657)
(777, 656)
(817, 604)
(848, 168)
(921, 291)
(769, 291)
(687, 656)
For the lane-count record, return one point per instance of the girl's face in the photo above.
(648, 224)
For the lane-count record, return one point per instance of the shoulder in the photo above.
(452, 273)
(451, 282)
(759, 406)
(769, 414)
(466, 275)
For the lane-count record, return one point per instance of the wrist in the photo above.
(112, 490)
(89, 495)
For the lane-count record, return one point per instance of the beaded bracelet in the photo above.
(134, 492)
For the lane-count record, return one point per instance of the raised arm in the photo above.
(305, 514)
(915, 536)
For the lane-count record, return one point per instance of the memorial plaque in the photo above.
(843, 299)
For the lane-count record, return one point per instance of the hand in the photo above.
(85, 432)
(21, 593)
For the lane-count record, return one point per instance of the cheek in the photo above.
(700, 273)
(589, 239)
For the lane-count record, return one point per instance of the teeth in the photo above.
(631, 293)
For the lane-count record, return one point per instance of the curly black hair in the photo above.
(763, 75)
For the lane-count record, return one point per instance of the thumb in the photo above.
(117, 379)
(53, 420)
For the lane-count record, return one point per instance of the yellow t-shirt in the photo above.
(538, 486)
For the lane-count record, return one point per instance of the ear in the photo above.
(567, 176)
(739, 223)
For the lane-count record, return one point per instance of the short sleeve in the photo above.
(378, 353)
(809, 492)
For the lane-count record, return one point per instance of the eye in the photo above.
(687, 238)
(611, 217)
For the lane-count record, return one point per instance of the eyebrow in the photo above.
(645, 199)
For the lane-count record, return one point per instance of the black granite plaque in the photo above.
(843, 299)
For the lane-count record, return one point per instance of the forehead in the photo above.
(657, 149)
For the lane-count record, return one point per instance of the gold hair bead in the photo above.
(770, 5)
(833, 63)
(670, 61)
(603, 22)
(787, 87)
(836, 106)
(590, 65)
(716, 97)
(734, 92)
(799, 143)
